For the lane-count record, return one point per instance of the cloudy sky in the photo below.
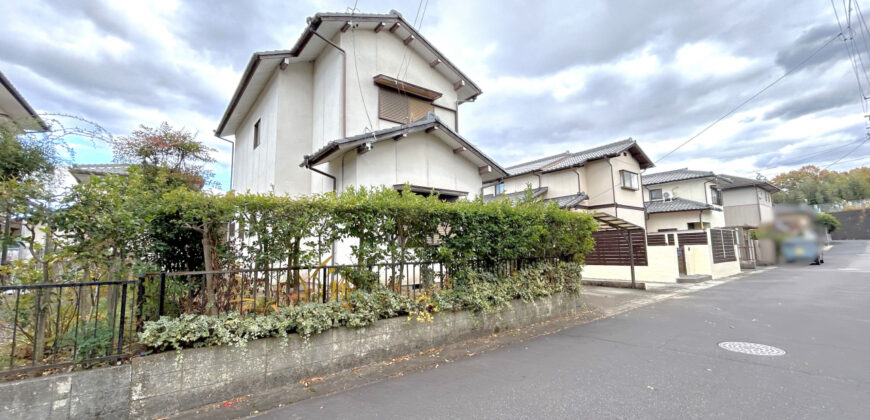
(556, 76)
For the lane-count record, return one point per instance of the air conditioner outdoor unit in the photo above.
(667, 196)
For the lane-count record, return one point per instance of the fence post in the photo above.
(140, 304)
(325, 271)
(162, 294)
(121, 323)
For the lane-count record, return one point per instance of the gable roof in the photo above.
(675, 204)
(428, 123)
(570, 160)
(12, 101)
(83, 171)
(740, 182)
(516, 196)
(674, 176)
(310, 44)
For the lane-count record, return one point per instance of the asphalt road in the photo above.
(663, 360)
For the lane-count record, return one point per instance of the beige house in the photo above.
(748, 204)
(606, 182)
(604, 179)
(686, 210)
(360, 100)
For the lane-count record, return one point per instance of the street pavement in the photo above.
(663, 360)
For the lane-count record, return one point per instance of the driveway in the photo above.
(663, 360)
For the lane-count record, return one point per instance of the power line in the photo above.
(850, 152)
(757, 94)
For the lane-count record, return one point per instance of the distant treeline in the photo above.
(812, 185)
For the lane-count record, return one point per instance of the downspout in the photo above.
(307, 165)
(613, 188)
(579, 184)
(706, 199)
(343, 85)
(233, 158)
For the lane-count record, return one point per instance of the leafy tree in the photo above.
(828, 221)
(167, 149)
(812, 185)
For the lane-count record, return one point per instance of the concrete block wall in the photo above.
(164, 383)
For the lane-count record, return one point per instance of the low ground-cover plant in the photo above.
(482, 293)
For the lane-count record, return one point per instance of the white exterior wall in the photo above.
(749, 206)
(693, 189)
(384, 53)
(419, 159)
(680, 219)
(662, 268)
(294, 129)
(254, 169)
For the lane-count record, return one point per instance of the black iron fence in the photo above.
(47, 326)
(54, 326)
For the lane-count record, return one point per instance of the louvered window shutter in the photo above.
(419, 108)
(393, 107)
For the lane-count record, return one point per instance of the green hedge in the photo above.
(483, 293)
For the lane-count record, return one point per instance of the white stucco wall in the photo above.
(680, 219)
(295, 103)
(370, 54)
(327, 98)
(254, 169)
(662, 267)
(418, 159)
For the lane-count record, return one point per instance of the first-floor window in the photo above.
(629, 179)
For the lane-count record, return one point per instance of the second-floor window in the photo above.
(716, 196)
(401, 107)
(629, 179)
(256, 134)
(655, 194)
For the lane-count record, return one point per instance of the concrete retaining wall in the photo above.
(161, 384)
(856, 224)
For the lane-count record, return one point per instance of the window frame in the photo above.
(499, 188)
(715, 195)
(635, 177)
(257, 133)
(659, 198)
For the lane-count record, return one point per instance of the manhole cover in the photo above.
(754, 349)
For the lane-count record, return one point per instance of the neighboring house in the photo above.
(360, 100)
(85, 171)
(604, 179)
(686, 209)
(748, 205)
(13, 107)
(606, 182)
(683, 199)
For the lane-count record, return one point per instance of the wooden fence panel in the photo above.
(611, 248)
(723, 245)
(694, 238)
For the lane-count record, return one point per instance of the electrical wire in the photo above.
(847, 154)
(757, 94)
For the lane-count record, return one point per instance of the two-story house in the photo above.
(604, 181)
(360, 100)
(683, 199)
(748, 205)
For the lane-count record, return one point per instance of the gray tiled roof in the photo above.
(517, 196)
(739, 182)
(536, 164)
(429, 121)
(599, 152)
(569, 201)
(101, 168)
(568, 159)
(675, 204)
(674, 176)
